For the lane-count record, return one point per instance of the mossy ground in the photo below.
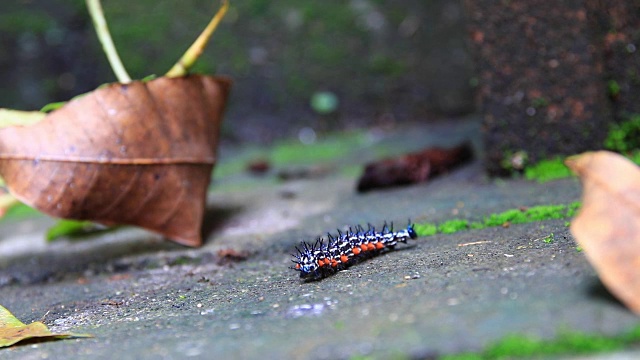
(553, 169)
(293, 152)
(621, 138)
(505, 218)
(547, 170)
(422, 299)
(565, 343)
(624, 137)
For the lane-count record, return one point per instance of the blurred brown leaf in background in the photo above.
(139, 153)
(413, 168)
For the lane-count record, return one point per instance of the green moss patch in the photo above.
(624, 137)
(453, 226)
(547, 170)
(566, 343)
(552, 169)
(332, 148)
(295, 152)
(511, 216)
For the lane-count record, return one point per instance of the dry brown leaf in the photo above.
(138, 153)
(13, 331)
(413, 167)
(608, 225)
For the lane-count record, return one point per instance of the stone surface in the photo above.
(541, 85)
(620, 35)
(145, 298)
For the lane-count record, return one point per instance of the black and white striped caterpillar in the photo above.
(320, 259)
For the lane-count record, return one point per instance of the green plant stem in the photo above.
(187, 60)
(100, 24)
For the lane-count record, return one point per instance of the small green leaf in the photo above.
(52, 106)
(73, 228)
(149, 78)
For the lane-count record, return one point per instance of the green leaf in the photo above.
(52, 106)
(149, 78)
(73, 228)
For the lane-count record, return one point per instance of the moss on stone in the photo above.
(453, 226)
(426, 229)
(295, 152)
(624, 137)
(510, 216)
(547, 170)
(565, 343)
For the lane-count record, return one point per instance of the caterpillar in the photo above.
(320, 259)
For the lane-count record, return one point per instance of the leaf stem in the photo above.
(193, 53)
(100, 24)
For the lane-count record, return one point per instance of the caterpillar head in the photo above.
(305, 261)
(307, 267)
(411, 231)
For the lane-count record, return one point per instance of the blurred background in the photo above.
(546, 79)
(297, 65)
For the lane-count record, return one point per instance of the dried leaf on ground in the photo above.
(413, 168)
(229, 256)
(13, 330)
(608, 224)
(138, 153)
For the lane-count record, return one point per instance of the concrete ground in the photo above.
(235, 298)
